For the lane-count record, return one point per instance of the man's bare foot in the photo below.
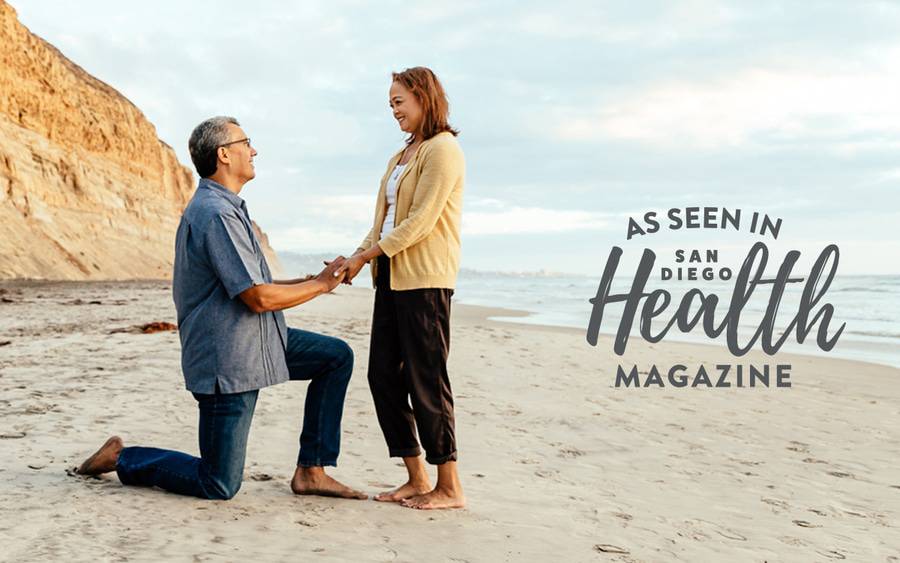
(103, 460)
(314, 481)
(438, 498)
(404, 491)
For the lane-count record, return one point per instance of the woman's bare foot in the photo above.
(103, 460)
(417, 481)
(314, 481)
(438, 498)
(405, 491)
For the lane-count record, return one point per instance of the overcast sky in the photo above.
(574, 115)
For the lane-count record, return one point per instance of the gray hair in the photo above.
(205, 142)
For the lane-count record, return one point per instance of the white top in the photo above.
(391, 193)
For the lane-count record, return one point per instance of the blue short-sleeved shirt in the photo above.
(217, 256)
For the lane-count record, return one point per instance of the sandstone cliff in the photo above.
(87, 190)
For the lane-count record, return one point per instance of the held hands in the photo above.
(332, 275)
(351, 267)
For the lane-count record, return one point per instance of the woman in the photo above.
(413, 250)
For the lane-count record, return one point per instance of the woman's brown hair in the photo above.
(427, 89)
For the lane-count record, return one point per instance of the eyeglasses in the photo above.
(244, 140)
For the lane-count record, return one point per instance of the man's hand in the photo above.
(340, 260)
(281, 295)
(332, 275)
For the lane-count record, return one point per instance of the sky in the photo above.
(574, 116)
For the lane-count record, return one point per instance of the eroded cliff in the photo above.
(87, 189)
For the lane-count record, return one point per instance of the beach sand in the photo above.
(557, 463)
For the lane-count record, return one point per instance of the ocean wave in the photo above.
(862, 290)
(876, 333)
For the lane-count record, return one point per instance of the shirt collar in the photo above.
(218, 188)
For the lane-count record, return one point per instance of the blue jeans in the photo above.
(325, 361)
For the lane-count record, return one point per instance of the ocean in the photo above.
(869, 305)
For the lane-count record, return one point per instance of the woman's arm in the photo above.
(367, 242)
(360, 258)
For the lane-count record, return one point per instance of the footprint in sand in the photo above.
(776, 504)
(609, 548)
(38, 409)
(788, 540)
(747, 462)
(570, 452)
(798, 447)
(831, 554)
(721, 530)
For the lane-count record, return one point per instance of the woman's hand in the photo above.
(352, 266)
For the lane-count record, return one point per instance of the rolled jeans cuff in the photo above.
(441, 460)
(316, 463)
(122, 468)
(408, 452)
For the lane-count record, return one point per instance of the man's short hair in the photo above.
(205, 142)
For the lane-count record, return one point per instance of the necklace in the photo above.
(407, 151)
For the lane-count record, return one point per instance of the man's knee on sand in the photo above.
(221, 489)
(343, 357)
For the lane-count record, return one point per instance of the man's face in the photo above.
(238, 156)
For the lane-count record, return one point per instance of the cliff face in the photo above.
(87, 190)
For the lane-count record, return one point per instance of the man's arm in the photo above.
(295, 280)
(277, 296)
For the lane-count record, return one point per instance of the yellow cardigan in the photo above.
(424, 244)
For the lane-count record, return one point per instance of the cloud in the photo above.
(754, 106)
(313, 239)
(497, 218)
(326, 223)
(353, 208)
(565, 109)
(664, 24)
(309, 223)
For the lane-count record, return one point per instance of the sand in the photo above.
(557, 463)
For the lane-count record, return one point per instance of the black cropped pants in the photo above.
(408, 369)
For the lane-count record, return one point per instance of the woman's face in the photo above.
(407, 109)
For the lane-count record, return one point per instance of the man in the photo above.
(234, 340)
